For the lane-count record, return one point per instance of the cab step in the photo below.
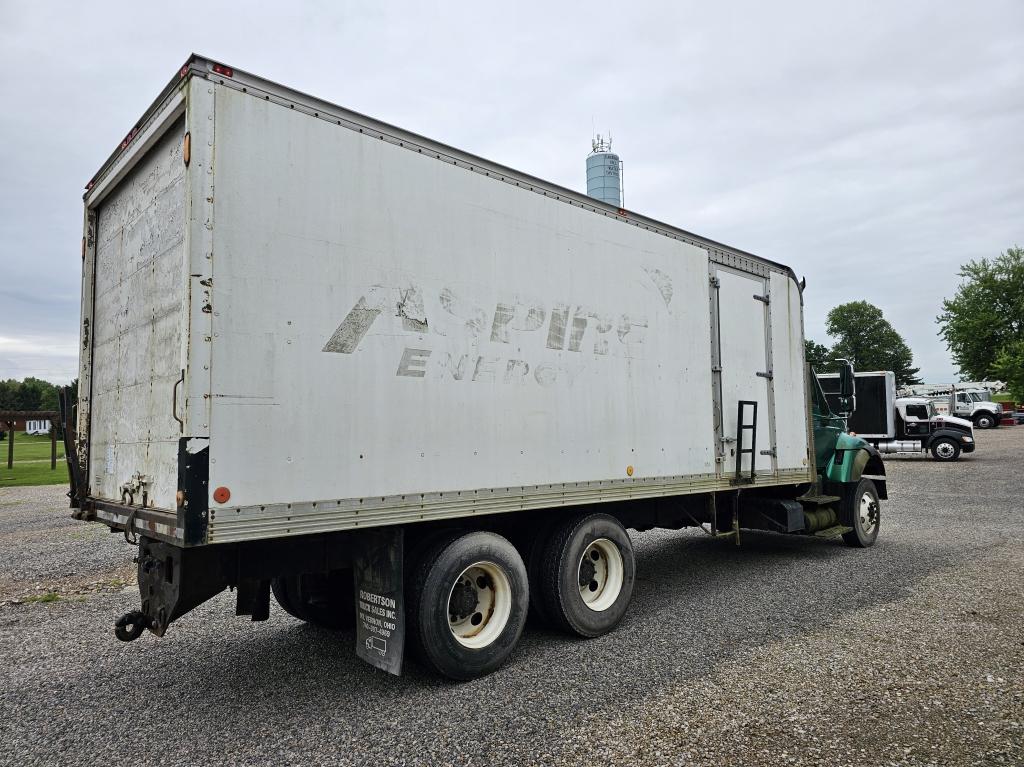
(819, 500)
(833, 532)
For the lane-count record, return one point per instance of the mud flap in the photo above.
(379, 601)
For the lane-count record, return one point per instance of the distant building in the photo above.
(29, 426)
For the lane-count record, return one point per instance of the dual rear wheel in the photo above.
(468, 594)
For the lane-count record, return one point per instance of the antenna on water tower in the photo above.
(604, 172)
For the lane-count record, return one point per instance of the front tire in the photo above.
(945, 449)
(861, 510)
(587, 575)
(468, 597)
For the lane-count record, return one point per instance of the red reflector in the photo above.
(220, 69)
(129, 137)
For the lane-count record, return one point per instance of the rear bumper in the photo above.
(158, 524)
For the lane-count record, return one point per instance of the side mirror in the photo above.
(847, 387)
(846, 380)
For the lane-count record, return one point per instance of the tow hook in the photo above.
(130, 626)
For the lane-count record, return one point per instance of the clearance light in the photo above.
(220, 69)
(629, 471)
(128, 139)
(222, 495)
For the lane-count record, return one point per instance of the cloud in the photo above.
(50, 357)
(873, 146)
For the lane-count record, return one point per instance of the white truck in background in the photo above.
(975, 405)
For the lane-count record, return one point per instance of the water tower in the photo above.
(604, 172)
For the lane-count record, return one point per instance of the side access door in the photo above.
(742, 374)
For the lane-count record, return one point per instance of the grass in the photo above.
(49, 596)
(30, 447)
(32, 462)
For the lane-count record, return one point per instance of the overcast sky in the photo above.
(874, 147)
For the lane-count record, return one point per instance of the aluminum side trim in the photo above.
(229, 524)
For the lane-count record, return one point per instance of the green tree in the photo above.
(1009, 367)
(983, 324)
(36, 394)
(9, 394)
(867, 339)
(818, 356)
(30, 394)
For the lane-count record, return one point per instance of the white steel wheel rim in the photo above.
(479, 624)
(601, 573)
(867, 513)
(945, 449)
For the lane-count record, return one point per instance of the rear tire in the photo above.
(945, 449)
(323, 599)
(467, 600)
(530, 542)
(986, 421)
(861, 510)
(282, 593)
(587, 575)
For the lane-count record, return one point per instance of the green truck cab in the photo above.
(850, 472)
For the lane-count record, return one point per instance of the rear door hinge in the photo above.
(769, 452)
(762, 299)
(766, 374)
(715, 282)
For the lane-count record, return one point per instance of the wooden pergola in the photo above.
(10, 417)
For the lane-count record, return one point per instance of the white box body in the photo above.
(360, 326)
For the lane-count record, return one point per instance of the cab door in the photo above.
(917, 422)
(963, 405)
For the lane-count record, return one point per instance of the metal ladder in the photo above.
(739, 479)
(742, 426)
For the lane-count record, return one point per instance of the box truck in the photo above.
(399, 386)
(899, 424)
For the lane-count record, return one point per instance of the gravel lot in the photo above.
(784, 651)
